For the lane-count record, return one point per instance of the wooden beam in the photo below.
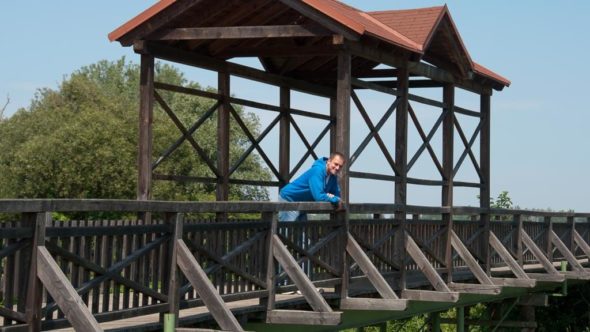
(322, 19)
(240, 32)
(418, 68)
(223, 133)
(308, 290)
(515, 282)
(284, 137)
(201, 283)
(547, 277)
(146, 113)
(484, 289)
(507, 257)
(581, 243)
(471, 262)
(424, 265)
(430, 296)
(538, 253)
(301, 317)
(372, 273)
(194, 59)
(64, 294)
(373, 304)
(484, 190)
(576, 266)
(34, 299)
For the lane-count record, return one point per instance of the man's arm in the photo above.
(316, 186)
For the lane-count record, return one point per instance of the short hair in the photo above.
(337, 154)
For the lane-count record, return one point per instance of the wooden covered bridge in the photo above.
(363, 266)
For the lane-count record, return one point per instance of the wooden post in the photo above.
(284, 137)
(342, 145)
(174, 220)
(146, 113)
(484, 165)
(333, 125)
(223, 114)
(35, 287)
(519, 230)
(401, 160)
(448, 165)
(269, 301)
(572, 226)
(548, 229)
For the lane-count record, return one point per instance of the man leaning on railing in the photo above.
(319, 183)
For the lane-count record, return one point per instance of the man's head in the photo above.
(335, 163)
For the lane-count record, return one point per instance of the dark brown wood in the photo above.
(57, 284)
(193, 271)
(33, 313)
(223, 116)
(372, 273)
(193, 59)
(284, 137)
(373, 132)
(304, 285)
(401, 159)
(170, 13)
(448, 174)
(175, 220)
(267, 31)
(426, 140)
(186, 134)
(301, 317)
(146, 110)
(342, 145)
(484, 191)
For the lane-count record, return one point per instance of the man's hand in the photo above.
(341, 206)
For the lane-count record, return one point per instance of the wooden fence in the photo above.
(166, 256)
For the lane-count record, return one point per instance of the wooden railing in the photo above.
(164, 255)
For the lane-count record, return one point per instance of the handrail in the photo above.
(120, 205)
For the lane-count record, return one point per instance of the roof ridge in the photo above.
(395, 32)
(403, 10)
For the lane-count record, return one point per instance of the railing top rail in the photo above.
(118, 205)
(115, 205)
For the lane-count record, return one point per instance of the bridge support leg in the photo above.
(460, 319)
(435, 322)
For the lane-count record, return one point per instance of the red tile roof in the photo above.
(411, 29)
(140, 19)
(416, 24)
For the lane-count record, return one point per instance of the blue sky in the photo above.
(540, 123)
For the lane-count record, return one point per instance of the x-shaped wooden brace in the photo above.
(310, 147)
(185, 133)
(254, 142)
(426, 139)
(467, 150)
(374, 132)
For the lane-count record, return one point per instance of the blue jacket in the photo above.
(313, 185)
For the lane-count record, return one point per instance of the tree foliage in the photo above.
(80, 140)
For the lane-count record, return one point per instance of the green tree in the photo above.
(80, 141)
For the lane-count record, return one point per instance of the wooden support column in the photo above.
(484, 165)
(174, 220)
(448, 165)
(572, 226)
(548, 229)
(33, 313)
(342, 145)
(401, 159)
(223, 114)
(517, 239)
(146, 113)
(284, 136)
(333, 125)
